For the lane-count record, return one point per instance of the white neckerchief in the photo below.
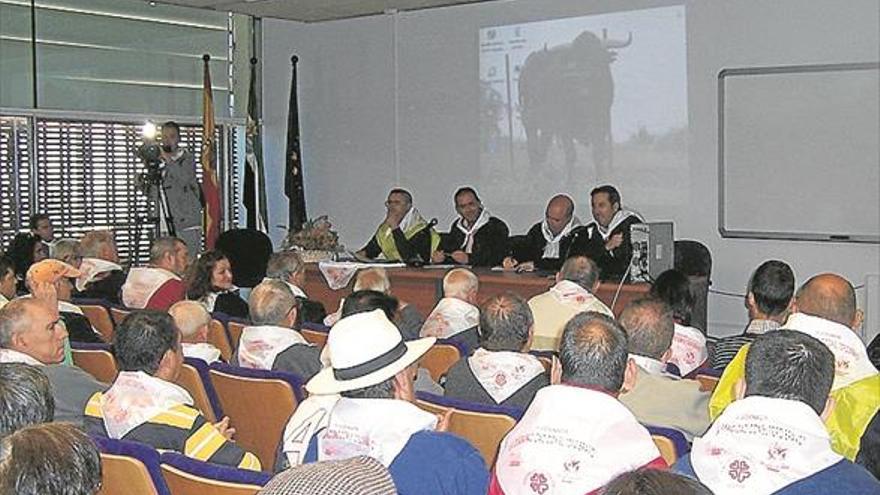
(91, 268)
(502, 374)
(3, 300)
(652, 366)
(571, 294)
(411, 218)
(201, 350)
(618, 218)
(260, 345)
(137, 397)
(851, 362)
(209, 300)
(760, 327)
(688, 349)
(13, 356)
(378, 428)
(760, 445)
(572, 441)
(66, 307)
(297, 292)
(468, 244)
(451, 316)
(310, 416)
(142, 283)
(551, 249)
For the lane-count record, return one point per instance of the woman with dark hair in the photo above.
(210, 282)
(689, 350)
(25, 249)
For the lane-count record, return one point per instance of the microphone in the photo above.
(417, 261)
(571, 244)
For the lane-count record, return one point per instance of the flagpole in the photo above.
(210, 185)
(293, 177)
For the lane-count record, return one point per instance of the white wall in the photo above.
(358, 139)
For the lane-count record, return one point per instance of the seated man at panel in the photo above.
(102, 276)
(771, 439)
(576, 283)
(547, 244)
(372, 368)
(7, 280)
(31, 333)
(288, 267)
(25, 397)
(689, 351)
(60, 276)
(272, 342)
(404, 235)
(500, 372)
(609, 232)
(659, 398)
(475, 237)
(159, 284)
(826, 310)
(144, 405)
(769, 301)
(576, 436)
(455, 316)
(193, 321)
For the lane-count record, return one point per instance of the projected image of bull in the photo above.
(565, 97)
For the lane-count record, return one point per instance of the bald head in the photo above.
(649, 327)
(593, 351)
(828, 296)
(461, 283)
(192, 319)
(373, 279)
(559, 212)
(273, 303)
(580, 270)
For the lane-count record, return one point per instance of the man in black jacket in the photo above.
(609, 234)
(550, 242)
(475, 238)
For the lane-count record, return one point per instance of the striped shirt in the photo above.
(727, 347)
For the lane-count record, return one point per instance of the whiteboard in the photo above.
(798, 152)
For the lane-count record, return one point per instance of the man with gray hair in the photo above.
(159, 284)
(455, 316)
(102, 275)
(288, 267)
(501, 371)
(657, 397)
(25, 397)
(193, 320)
(576, 283)
(272, 342)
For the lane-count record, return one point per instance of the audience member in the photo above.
(31, 333)
(102, 276)
(769, 301)
(68, 251)
(49, 459)
(689, 350)
(826, 309)
(573, 293)
(359, 475)
(272, 342)
(404, 235)
(408, 320)
(771, 439)
(372, 368)
(158, 285)
(60, 275)
(475, 238)
(41, 227)
(7, 280)
(25, 249)
(549, 243)
(501, 371)
(659, 398)
(576, 436)
(455, 316)
(609, 232)
(193, 321)
(209, 281)
(654, 482)
(288, 267)
(144, 405)
(25, 397)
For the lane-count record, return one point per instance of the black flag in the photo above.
(293, 177)
(254, 175)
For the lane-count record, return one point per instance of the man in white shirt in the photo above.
(194, 321)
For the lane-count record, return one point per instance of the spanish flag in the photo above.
(210, 184)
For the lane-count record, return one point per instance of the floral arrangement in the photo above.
(316, 235)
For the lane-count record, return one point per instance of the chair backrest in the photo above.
(439, 358)
(118, 314)
(546, 358)
(315, 333)
(258, 404)
(482, 425)
(235, 328)
(187, 476)
(671, 443)
(195, 379)
(707, 382)
(218, 337)
(129, 468)
(99, 317)
(96, 359)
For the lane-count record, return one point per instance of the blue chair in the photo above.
(186, 476)
(131, 468)
(671, 443)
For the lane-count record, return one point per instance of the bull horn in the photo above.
(615, 44)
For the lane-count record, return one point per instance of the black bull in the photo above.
(565, 92)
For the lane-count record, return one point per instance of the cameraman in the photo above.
(182, 189)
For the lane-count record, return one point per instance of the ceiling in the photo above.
(315, 10)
